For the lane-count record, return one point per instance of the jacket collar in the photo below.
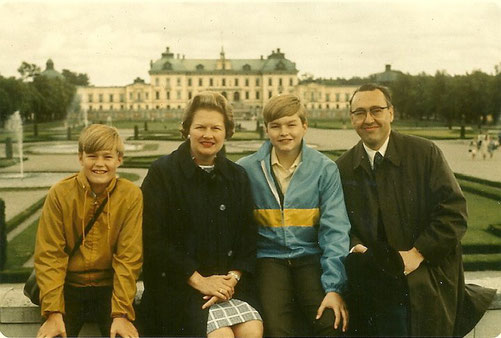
(83, 182)
(264, 152)
(393, 153)
(189, 167)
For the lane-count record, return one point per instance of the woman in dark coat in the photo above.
(199, 233)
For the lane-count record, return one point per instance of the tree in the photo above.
(77, 79)
(12, 97)
(28, 70)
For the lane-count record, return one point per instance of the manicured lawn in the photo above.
(21, 248)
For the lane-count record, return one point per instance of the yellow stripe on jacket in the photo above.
(292, 217)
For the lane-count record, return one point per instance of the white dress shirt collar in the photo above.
(371, 153)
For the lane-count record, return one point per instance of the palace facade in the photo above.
(247, 83)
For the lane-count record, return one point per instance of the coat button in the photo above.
(222, 207)
(230, 253)
(163, 274)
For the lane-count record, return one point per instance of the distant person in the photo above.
(483, 144)
(408, 216)
(303, 228)
(472, 149)
(199, 233)
(98, 280)
(491, 146)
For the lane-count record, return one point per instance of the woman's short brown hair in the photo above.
(97, 137)
(284, 105)
(211, 101)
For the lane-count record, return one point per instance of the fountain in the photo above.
(15, 124)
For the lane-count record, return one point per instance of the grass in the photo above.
(437, 133)
(21, 247)
(171, 124)
(23, 215)
(482, 262)
(7, 162)
(129, 176)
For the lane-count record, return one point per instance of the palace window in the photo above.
(211, 82)
(90, 98)
(223, 82)
(270, 94)
(167, 66)
(178, 95)
(270, 81)
(111, 97)
(168, 95)
(157, 95)
(337, 97)
(189, 82)
(236, 82)
(178, 81)
(280, 81)
(100, 97)
(291, 82)
(257, 95)
(257, 81)
(247, 82)
(200, 82)
(189, 95)
(246, 95)
(200, 67)
(247, 67)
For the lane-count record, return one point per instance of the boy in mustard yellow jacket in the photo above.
(99, 278)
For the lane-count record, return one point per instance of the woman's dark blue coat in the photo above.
(193, 221)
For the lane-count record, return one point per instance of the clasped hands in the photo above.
(412, 258)
(215, 288)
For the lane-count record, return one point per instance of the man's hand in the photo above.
(123, 327)
(53, 326)
(412, 259)
(359, 248)
(221, 286)
(334, 301)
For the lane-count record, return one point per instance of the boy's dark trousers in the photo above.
(85, 304)
(291, 292)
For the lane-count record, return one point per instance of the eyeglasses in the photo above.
(361, 113)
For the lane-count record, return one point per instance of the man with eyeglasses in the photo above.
(408, 215)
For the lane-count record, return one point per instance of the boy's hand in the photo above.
(122, 327)
(334, 301)
(53, 326)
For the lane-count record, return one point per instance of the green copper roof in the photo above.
(50, 72)
(275, 63)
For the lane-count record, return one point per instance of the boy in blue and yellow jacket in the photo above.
(303, 228)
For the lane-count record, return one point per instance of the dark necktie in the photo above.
(378, 160)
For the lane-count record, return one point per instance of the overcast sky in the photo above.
(114, 41)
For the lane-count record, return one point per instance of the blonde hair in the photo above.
(97, 137)
(211, 101)
(284, 105)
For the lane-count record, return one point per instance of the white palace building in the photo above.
(247, 83)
